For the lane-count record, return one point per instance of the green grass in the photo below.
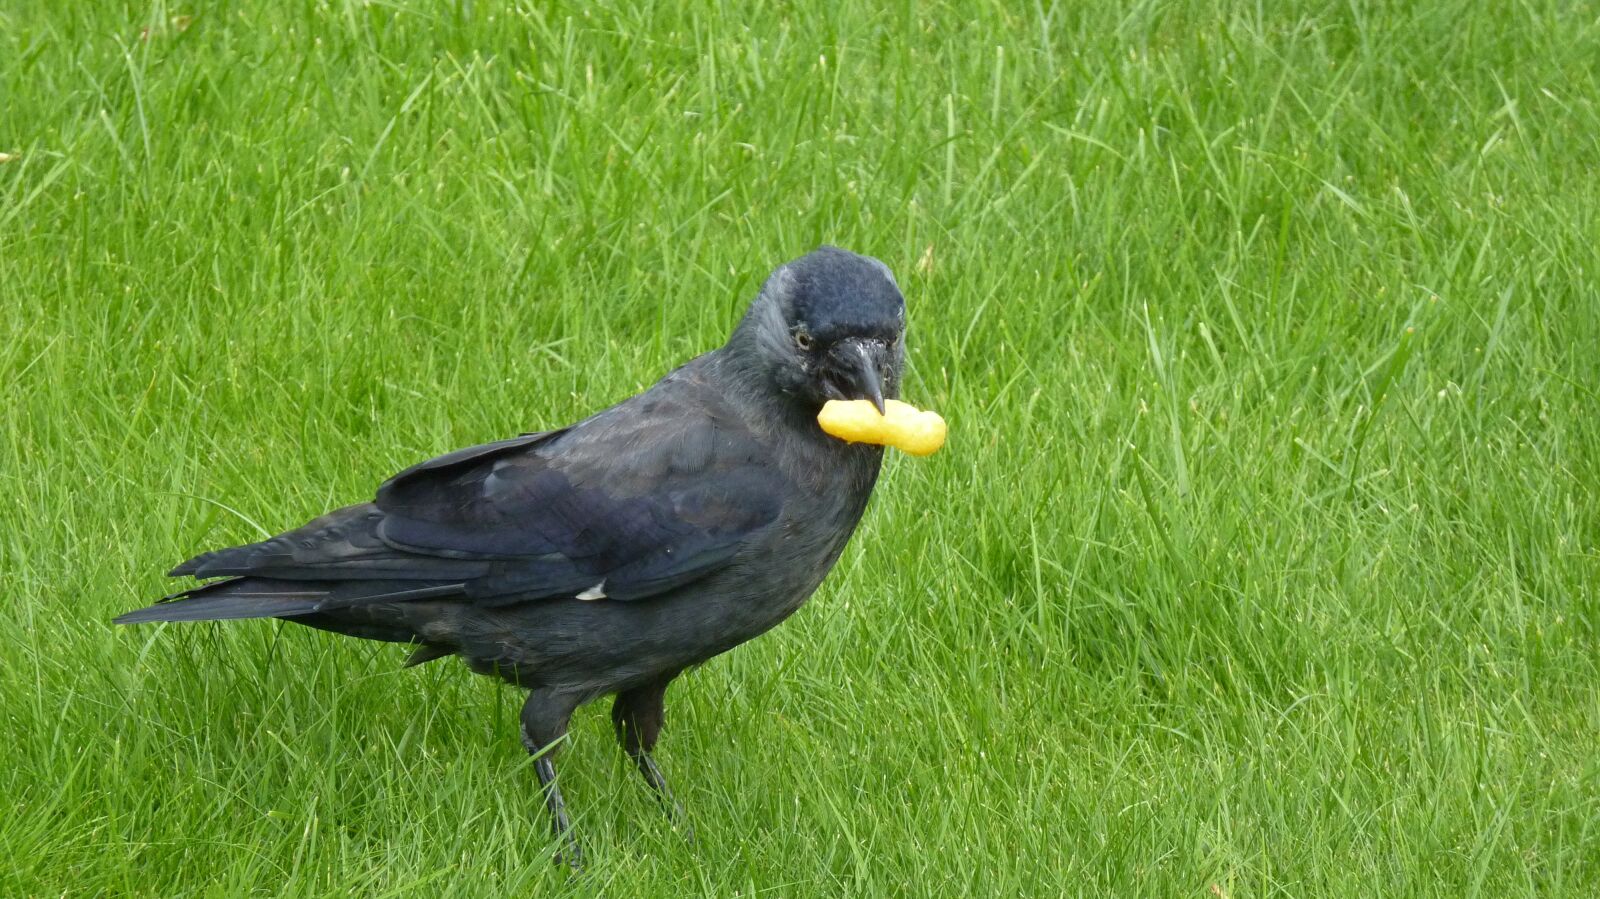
(1264, 558)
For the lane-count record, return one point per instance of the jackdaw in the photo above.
(608, 556)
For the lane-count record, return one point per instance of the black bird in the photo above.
(608, 556)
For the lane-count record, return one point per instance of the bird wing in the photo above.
(647, 496)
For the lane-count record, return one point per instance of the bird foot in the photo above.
(685, 828)
(571, 857)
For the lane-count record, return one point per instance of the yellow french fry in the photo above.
(903, 426)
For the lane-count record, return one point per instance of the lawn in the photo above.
(1264, 558)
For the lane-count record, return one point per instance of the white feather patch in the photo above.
(598, 591)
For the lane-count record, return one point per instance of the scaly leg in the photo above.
(544, 721)
(638, 714)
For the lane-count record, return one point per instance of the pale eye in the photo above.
(802, 340)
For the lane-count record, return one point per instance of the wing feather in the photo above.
(648, 496)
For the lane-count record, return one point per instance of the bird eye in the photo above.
(802, 340)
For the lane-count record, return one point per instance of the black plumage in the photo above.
(608, 556)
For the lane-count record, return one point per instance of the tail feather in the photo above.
(217, 608)
(223, 601)
(260, 597)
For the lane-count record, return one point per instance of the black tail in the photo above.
(267, 597)
(238, 597)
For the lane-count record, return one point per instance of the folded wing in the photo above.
(643, 498)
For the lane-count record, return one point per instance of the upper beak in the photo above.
(860, 364)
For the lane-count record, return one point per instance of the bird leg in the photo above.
(544, 721)
(637, 715)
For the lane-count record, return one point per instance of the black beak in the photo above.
(859, 369)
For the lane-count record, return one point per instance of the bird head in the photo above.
(828, 326)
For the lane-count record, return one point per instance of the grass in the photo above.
(1264, 558)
